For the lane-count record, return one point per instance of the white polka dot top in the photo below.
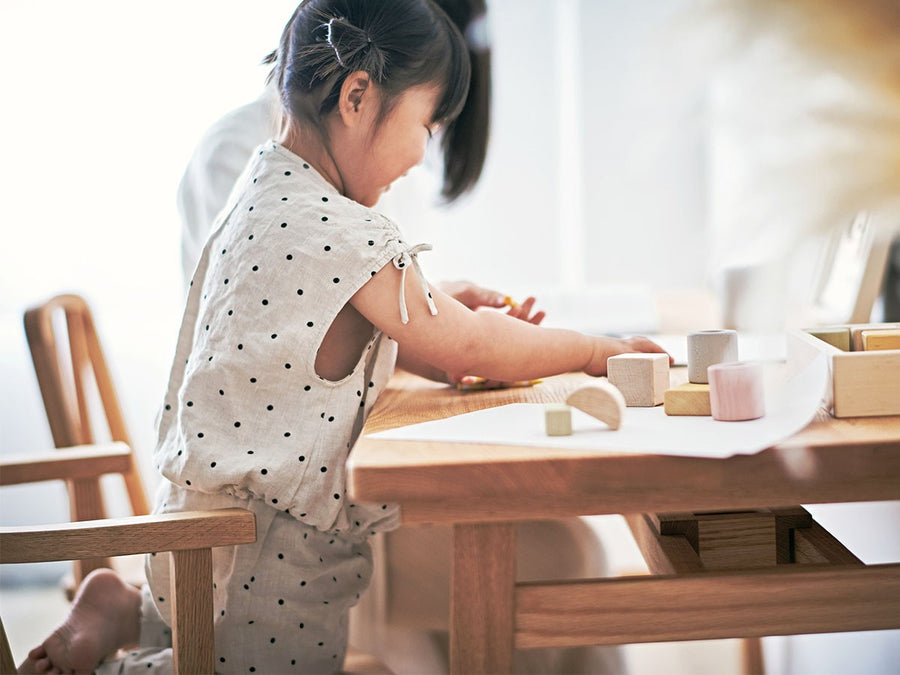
(245, 412)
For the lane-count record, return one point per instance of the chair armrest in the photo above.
(127, 536)
(83, 461)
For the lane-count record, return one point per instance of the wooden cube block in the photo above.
(878, 340)
(642, 378)
(688, 399)
(838, 336)
(558, 419)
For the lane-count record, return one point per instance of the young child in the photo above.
(303, 301)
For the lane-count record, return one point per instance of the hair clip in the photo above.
(331, 42)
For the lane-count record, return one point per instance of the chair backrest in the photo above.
(70, 367)
(851, 272)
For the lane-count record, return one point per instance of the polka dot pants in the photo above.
(280, 605)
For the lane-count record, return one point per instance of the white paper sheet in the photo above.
(790, 406)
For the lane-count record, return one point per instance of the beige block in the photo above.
(857, 330)
(558, 419)
(878, 340)
(688, 399)
(642, 378)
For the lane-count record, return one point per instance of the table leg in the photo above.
(482, 598)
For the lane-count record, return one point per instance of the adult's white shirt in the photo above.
(225, 148)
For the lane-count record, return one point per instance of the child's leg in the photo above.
(287, 598)
(280, 604)
(105, 616)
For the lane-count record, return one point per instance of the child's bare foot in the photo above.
(105, 616)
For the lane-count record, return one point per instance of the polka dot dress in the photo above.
(248, 422)
(245, 412)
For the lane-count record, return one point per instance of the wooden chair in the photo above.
(71, 369)
(190, 536)
(851, 270)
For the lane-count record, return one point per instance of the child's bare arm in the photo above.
(417, 366)
(489, 344)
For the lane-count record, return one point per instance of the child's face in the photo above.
(386, 152)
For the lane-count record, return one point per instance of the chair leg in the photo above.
(192, 612)
(7, 665)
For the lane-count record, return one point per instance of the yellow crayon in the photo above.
(509, 302)
(480, 384)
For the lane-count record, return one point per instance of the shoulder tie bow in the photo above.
(402, 262)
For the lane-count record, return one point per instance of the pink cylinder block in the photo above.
(736, 391)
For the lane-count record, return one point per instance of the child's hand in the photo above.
(470, 295)
(474, 297)
(606, 347)
(523, 312)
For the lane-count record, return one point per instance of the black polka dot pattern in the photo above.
(259, 418)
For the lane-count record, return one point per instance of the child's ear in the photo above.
(356, 97)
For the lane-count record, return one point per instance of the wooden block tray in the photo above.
(863, 383)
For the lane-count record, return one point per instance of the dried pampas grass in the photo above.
(808, 92)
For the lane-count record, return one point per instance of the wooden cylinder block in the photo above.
(736, 391)
(708, 347)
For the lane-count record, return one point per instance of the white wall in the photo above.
(102, 103)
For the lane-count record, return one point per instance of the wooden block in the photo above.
(862, 384)
(642, 378)
(688, 399)
(558, 419)
(838, 336)
(708, 347)
(856, 333)
(736, 391)
(600, 400)
(866, 383)
(879, 340)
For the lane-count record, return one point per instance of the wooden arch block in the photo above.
(600, 400)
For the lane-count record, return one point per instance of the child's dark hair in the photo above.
(465, 140)
(400, 43)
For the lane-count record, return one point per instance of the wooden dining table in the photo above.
(483, 489)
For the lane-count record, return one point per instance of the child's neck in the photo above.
(310, 147)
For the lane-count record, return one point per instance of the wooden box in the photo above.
(862, 384)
